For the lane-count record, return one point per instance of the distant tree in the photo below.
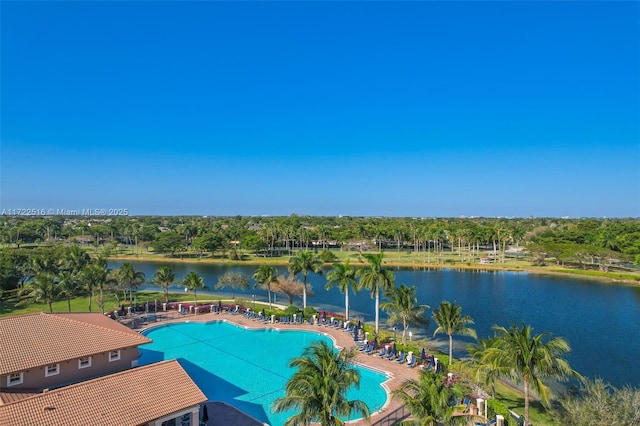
(327, 256)
(233, 280)
(169, 241)
(208, 242)
(252, 241)
(193, 282)
(450, 321)
(164, 278)
(403, 308)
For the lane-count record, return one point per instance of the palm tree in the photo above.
(130, 278)
(402, 308)
(68, 286)
(484, 369)
(97, 275)
(43, 287)
(429, 400)
(375, 278)
(304, 262)
(451, 321)
(164, 278)
(77, 259)
(344, 276)
(265, 276)
(318, 389)
(529, 358)
(193, 281)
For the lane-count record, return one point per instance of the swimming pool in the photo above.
(245, 368)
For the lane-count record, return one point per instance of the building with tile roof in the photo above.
(42, 350)
(155, 395)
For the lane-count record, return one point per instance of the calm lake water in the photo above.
(601, 321)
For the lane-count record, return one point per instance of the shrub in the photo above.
(310, 311)
(290, 310)
(495, 407)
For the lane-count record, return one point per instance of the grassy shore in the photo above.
(400, 259)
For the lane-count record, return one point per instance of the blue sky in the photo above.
(322, 108)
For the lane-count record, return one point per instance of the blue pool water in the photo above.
(245, 368)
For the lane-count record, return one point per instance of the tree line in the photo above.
(582, 243)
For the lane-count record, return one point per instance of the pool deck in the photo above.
(221, 412)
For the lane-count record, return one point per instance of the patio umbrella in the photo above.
(219, 306)
(423, 355)
(262, 312)
(205, 414)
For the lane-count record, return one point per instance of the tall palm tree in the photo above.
(318, 389)
(266, 275)
(403, 308)
(451, 321)
(304, 262)
(487, 369)
(68, 286)
(43, 287)
(130, 278)
(164, 278)
(429, 400)
(77, 259)
(376, 278)
(193, 281)
(529, 358)
(344, 276)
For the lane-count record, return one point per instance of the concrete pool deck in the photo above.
(224, 414)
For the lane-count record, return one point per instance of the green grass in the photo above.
(81, 304)
(538, 415)
(610, 275)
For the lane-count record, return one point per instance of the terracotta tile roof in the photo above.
(12, 396)
(35, 340)
(131, 397)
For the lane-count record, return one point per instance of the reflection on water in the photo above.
(601, 321)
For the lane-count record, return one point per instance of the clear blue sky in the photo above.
(322, 108)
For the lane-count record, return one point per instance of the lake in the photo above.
(601, 321)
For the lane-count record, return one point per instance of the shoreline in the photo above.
(395, 264)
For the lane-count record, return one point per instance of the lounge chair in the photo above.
(383, 352)
(467, 403)
(412, 362)
(402, 358)
(369, 350)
